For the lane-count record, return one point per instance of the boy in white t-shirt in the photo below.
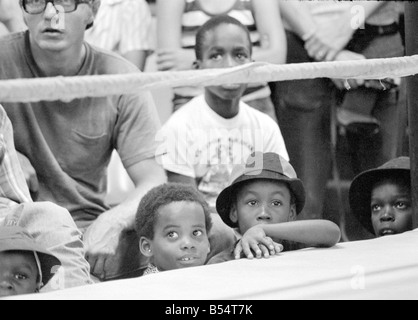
(205, 139)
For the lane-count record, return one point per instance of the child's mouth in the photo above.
(387, 232)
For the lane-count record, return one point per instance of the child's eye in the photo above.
(252, 203)
(216, 57)
(276, 203)
(402, 205)
(198, 233)
(172, 235)
(242, 56)
(376, 208)
(21, 277)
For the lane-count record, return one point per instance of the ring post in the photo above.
(411, 24)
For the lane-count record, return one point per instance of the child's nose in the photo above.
(230, 62)
(388, 215)
(187, 243)
(264, 215)
(5, 287)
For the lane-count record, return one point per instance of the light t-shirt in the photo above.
(70, 144)
(196, 142)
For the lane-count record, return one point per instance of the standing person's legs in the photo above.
(303, 110)
(373, 151)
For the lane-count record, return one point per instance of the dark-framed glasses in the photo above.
(39, 6)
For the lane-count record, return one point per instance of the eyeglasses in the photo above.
(39, 6)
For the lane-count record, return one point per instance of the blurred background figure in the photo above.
(335, 31)
(177, 25)
(11, 17)
(124, 26)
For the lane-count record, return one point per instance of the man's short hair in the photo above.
(213, 24)
(147, 214)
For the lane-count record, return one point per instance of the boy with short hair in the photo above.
(173, 223)
(262, 203)
(25, 267)
(215, 131)
(381, 198)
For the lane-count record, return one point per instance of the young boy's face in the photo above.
(391, 207)
(226, 46)
(180, 240)
(263, 202)
(18, 273)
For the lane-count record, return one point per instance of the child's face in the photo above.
(18, 273)
(226, 46)
(263, 202)
(391, 207)
(181, 240)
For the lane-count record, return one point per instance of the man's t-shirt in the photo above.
(70, 143)
(199, 143)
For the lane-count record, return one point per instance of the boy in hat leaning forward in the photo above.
(262, 203)
(25, 267)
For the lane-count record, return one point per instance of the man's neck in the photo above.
(65, 63)
(227, 109)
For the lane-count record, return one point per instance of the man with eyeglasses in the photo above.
(65, 147)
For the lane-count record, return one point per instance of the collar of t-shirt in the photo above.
(227, 123)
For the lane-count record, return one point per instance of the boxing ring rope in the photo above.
(70, 88)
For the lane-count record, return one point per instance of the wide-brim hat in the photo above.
(361, 188)
(268, 166)
(17, 239)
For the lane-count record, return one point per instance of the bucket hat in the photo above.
(268, 166)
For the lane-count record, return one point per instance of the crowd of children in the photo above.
(232, 192)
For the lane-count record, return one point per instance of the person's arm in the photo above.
(270, 27)
(170, 55)
(102, 238)
(135, 42)
(315, 233)
(178, 178)
(138, 58)
(11, 15)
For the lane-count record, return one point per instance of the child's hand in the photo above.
(256, 241)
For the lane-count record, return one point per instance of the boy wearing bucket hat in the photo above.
(262, 203)
(25, 267)
(381, 198)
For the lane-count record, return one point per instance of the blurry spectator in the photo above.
(11, 18)
(123, 26)
(325, 31)
(179, 20)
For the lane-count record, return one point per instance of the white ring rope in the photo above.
(69, 88)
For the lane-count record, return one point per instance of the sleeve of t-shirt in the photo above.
(273, 139)
(174, 148)
(136, 27)
(136, 128)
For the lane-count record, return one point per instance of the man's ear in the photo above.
(233, 216)
(145, 247)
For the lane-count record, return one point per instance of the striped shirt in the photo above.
(195, 16)
(13, 187)
(122, 26)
